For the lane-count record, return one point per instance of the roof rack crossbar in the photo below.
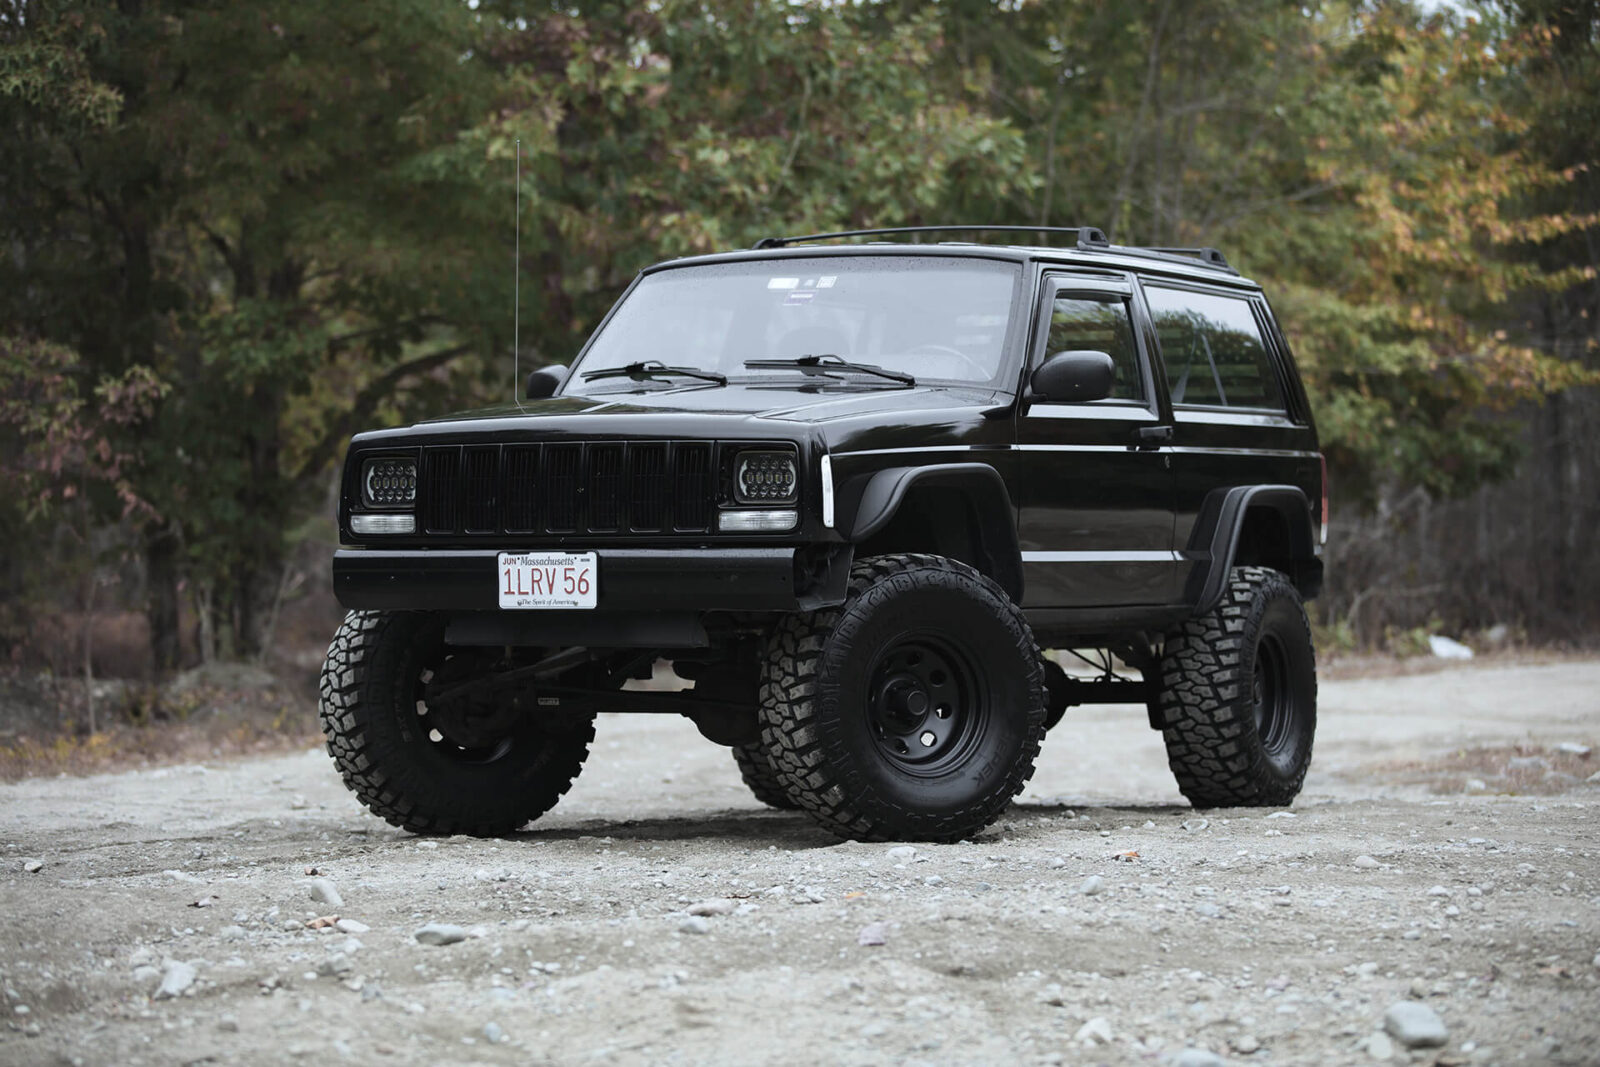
(1086, 236)
(1204, 253)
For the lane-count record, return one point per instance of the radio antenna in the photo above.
(516, 288)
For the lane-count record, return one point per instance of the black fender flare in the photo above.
(869, 502)
(1215, 539)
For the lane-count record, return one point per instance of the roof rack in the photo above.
(1087, 239)
(1086, 236)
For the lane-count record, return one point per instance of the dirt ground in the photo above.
(1445, 852)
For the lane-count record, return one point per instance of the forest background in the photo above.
(233, 233)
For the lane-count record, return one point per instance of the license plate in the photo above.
(533, 580)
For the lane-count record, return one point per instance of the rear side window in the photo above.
(1213, 349)
(1098, 324)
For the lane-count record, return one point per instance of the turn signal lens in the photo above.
(383, 524)
(757, 521)
(1323, 461)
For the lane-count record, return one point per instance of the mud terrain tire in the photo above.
(378, 734)
(913, 711)
(1238, 702)
(758, 775)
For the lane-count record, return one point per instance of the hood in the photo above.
(786, 401)
(842, 418)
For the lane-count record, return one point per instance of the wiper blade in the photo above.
(827, 362)
(652, 368)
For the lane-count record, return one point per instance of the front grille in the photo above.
(568, 488)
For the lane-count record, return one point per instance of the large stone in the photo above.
(440, 934)
(323, 891)
(176, 980)
(1415, 1025)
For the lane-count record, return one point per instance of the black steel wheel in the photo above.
(426, 755)
(1238, 704)
(914, 711)
(926, 702)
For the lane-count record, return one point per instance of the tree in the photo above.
(265, 223)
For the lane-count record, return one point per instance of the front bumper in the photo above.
(630, 580)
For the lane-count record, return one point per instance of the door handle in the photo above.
(1153, 437)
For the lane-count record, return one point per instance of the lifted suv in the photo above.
(848, 491)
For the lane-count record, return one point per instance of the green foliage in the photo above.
(45, 51)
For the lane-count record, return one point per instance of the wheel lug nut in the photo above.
(927, 739)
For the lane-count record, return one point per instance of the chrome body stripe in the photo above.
(1153, 555)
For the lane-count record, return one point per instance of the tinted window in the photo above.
(934, 317)
(1213, 350)
(1098, 324)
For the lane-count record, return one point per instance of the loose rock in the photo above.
(177, 978)
(493, 1034)
(1379, 1047)
(1366, 863)
(440, 934)
(695, 924)
(1092, 885)
(1197, 1057)
(713, 907)
(32, 866)
(1415, 1025)
(335, 965)
(351, 926)
(1096, 1031)
(902, 854)
(873, 934)
(323, 891)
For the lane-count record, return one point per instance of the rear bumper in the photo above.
(630, 580)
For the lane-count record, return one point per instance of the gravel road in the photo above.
(1442, 867)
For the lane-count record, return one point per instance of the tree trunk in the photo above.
(161, 608)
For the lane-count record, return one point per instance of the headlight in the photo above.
(390, 482)
(764, 478)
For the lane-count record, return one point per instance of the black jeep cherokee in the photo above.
(848, 491)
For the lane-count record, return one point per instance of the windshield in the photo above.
(937, 318)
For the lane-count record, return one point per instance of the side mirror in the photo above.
(545, 381)
(1074, 377)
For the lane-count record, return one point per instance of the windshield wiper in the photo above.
(651, 368)
(828, 362)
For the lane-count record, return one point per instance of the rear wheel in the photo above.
(1238, 704)
(912, 711)
(429, 760)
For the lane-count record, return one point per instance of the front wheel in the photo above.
(1238, 702)
(426, 754)
(914, 711)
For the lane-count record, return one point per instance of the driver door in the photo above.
(1095, 516)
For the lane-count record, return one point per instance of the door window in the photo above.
(1098, 324)
(1213, 350)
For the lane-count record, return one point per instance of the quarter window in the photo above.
(1213, 350)
(1098, 324)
